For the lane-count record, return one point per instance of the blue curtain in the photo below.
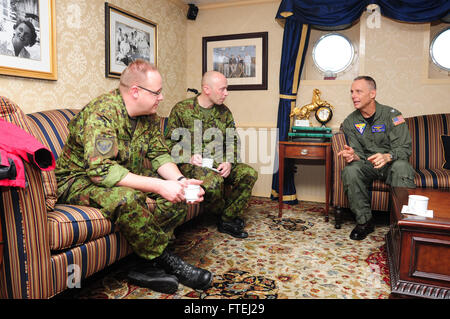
(340, 12)
(299, 16)
(295, 44)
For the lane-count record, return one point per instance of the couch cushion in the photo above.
(72, 225)
(11, 113)
(426, 131)
(432, 178)
(50, 128)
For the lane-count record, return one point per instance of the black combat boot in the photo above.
(234, 228)
(146, 274)
(362, 230)
(187, 274)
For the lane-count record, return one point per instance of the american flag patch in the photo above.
(398, 120)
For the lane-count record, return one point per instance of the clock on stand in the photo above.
(324, 114)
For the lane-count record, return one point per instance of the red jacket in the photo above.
(18, 145)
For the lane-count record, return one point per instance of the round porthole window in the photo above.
(440, 50)
(333, 53)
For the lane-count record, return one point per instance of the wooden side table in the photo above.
(307, 151)
(418, 248)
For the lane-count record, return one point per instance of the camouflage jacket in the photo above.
(388, 133)
(103, 147)
(211, 135)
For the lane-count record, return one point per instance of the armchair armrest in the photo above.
(26, 269)
(337, 143)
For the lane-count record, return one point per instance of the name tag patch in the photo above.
(360, 127)
(379, 128)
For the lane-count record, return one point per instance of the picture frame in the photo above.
(242, 58)
(28, 39)
(128, 37)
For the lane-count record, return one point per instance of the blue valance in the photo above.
(341, 12)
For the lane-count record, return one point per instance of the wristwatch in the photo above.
(391, 156)
(180, 178)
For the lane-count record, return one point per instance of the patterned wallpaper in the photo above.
(394, 54)
(80, 27)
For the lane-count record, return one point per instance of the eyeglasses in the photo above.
(158, 93)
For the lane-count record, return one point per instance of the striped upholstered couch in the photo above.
(427, 159)
(47, 246)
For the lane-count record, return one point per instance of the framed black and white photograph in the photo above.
(27, 38)
(242, 58)
(128, 37)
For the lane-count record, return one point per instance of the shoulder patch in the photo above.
(398, 120)
(104, 145)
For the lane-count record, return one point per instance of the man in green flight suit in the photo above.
(102, 166)
(379, 146)
(207, 131)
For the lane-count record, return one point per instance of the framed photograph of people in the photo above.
(27, 38)
(128, 37)
(242, 58)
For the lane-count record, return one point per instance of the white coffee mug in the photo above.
(191, 193)
(418, 203)
(207, 162)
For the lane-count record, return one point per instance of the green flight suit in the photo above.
(388, 133)
(103, 145)
(191, 130)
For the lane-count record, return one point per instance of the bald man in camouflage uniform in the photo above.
(204, 127)
(379, 148)
(102, 166)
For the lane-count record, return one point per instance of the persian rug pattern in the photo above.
(299, 256)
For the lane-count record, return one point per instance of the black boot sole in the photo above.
(167, 284)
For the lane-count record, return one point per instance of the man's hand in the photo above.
(173, 191)
(224, 169)
(349, 154)
(378, 160)
(187, 182)
(196, 159)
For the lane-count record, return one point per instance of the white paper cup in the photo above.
(418, 203)
(191, 193)
(207, 162)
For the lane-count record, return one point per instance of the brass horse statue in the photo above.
(303, 113)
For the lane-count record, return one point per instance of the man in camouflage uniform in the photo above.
(207, 130)
(379, 148)
(102, 165)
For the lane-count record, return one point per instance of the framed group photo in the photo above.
(28, 39)
(242, 58)
(128, 37)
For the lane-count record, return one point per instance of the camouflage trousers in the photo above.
(358, 176)
(148, 228)
(225, 197)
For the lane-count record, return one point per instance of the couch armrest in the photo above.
(26, 269)
(337, 143)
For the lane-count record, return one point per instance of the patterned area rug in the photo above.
(296, 257)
